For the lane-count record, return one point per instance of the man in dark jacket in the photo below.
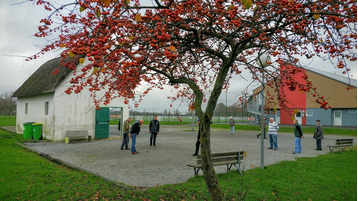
(298, 135)
(197, 145)
(318, 135)
(133, 134)
(153, 130)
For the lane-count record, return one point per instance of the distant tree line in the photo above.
(7, 104)
(232, 110)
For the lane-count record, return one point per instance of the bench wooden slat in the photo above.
(214, 159)
(225, 154)
(342, 144)
(77, 135)
(214, 164)
(344, 141)
(228, 158)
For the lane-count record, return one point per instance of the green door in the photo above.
(102, 123)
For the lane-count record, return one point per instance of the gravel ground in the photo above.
(167, 162)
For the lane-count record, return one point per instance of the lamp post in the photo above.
(262, 61)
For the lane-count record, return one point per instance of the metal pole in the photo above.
(226, 107)
(262, 120)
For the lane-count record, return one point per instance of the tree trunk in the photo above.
(209, 173)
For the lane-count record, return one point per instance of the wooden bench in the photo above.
(229, 159)
(341, 144)
(77, 135)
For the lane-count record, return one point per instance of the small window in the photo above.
(352, 111)
(278, 113)
(309, 112)
(26, 107)
(337, 114)
(46, 108)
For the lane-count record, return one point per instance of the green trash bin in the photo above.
(28, 132)
(37, 128)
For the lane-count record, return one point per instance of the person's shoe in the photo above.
(128, 149)
(121, 148)
(319, 149)
(274, 149)
(270, 148)
(258, 136)
(134, 153)
(150, 145)
(194, 154)
(293, 152)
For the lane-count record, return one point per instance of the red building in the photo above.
(301, 102)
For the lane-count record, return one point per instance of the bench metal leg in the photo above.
(330, 149)
(238, 168)
(228, 167)
(196, 170)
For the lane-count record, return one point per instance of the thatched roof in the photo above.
(43, 80)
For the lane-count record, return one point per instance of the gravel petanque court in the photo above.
(167, 162)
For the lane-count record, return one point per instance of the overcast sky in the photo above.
(18, 23)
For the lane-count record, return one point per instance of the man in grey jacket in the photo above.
(272, 131)
(318, 135)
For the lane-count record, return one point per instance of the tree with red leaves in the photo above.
(195, 46)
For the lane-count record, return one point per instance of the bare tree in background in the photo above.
(7, 104)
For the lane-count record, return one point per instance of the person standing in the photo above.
(134, 133)
(125, 139)
(153, 130)
(298, 135)
(318, 135)
(232, 125)
(197, 145)
(272, 131)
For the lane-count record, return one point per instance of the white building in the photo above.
(42, 99)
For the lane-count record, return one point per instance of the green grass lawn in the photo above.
(7, 121)
(353, 132)
(26, 176)
(115, 122)
(306, 130)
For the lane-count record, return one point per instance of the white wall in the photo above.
(77, 111)
(66, 112)
(36, 113)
